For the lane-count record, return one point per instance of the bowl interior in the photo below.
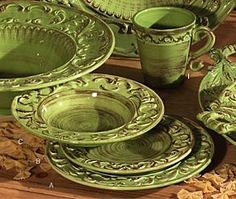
(27, 50)
(86, 111)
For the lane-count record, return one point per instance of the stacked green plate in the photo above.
(161, 157)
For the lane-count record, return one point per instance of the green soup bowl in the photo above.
(27, 54)
(92, 110)
(44, 45)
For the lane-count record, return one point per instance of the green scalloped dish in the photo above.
(221, 115)
(29, 60)
(94, 109)
(211, 90)
(222, 75)
(166, 144)
(197, 161)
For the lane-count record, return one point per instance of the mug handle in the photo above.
(197, 35)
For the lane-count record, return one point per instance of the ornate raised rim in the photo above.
(179, 145)
(197, 161)
(214, 7)
(75, 23)
(222, 65)
(149, 110)
(219, 117)
(214, 77)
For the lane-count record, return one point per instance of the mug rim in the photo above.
(164, 8)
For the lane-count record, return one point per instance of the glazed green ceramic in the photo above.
(27, 51)
(221, 114)
(198, 160)
(125, 41)
(94, 109)
(210, 13)
(222, 75)
(61, 45)
(166, 144)
(213, 84)
(164, 44)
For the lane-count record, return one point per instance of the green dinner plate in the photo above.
(94, 109)
(197, 161)
(169, 142)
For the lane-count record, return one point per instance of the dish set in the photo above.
(102, 130)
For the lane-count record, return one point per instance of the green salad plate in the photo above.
(193, 164)
(166, 144)
(217, 92)
(118, 15)
(44, 44)
(91, 110)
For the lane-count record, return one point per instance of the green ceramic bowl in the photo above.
(28, 52)
(44, 44)
(86, 111)
(94, 109)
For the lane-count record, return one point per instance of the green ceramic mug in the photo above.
(164, 37)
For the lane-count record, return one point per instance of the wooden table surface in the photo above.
(182, 101)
